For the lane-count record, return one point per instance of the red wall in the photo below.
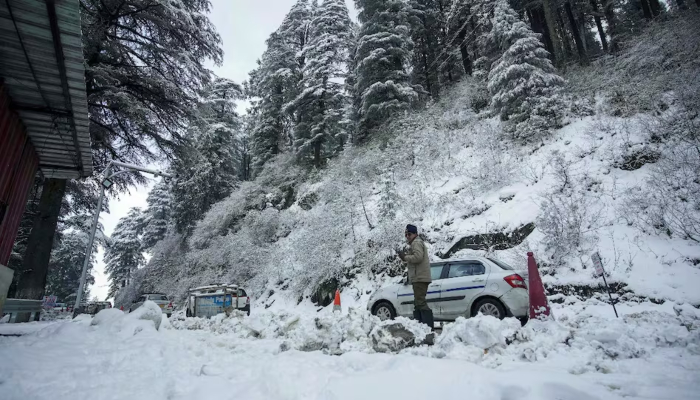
(18, 165)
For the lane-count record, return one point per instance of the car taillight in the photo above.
(170, 305)
(247, 300)
(515, 281)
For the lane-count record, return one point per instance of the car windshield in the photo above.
(501, 264)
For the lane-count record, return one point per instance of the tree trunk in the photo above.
(426, 68)
(550, 18)
(583, 57)
(40, 242)
(444, 40)
(565, 40)
(539, 25)
(599, 24)
(466, 61)
(647, 9)
(612, 24)
(655, 7)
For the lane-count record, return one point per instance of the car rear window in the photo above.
(466, 269)
(501, 264)
(160, 297)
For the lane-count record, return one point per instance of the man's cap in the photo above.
(411, 229)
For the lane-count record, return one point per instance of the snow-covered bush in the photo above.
(669, 201)
(569, 217)
(569, 221)
(651, 64)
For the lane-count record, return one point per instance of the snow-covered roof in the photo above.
(41, 65)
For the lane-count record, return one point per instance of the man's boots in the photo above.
(417, 315)
(427, 318)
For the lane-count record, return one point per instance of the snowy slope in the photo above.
(596, 184)
(456, 183)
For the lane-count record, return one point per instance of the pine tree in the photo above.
(425, 31)
(158, 215)
(523, 83)
(124, 254)
(469, 23)
(208, 169)
(270, 86)
(382, 60)
(295, 33)
(144, 66)
(323, 99)
(66, 265)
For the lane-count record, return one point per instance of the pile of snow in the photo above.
(147, 317)
(332, 333)
(471, 338)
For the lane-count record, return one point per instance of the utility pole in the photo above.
(106, 183)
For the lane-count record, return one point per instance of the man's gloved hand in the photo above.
(402, 255)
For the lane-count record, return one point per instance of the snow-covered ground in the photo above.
(651, 352)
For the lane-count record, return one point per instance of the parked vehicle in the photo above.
(159, 298)
(460, 288)
(93, 307)
(208, 301)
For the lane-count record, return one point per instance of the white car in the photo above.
(460, 288)
(158, 298)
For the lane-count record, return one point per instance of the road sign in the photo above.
(49, 302)
(597, 264)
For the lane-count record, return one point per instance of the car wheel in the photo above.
(168, 315)
(490, 307)
(384, 311)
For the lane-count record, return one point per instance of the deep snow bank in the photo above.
(332, 333)
(147, 317)
(583, 331)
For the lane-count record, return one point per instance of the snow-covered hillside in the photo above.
(619, 178)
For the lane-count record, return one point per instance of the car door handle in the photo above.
(478, 280)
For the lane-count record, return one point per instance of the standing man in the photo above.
(418, 274)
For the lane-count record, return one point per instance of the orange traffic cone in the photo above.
(539, 307)
(336, 302)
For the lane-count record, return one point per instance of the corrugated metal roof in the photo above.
(56, 122)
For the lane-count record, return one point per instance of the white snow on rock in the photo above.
(149, 311)
(107, 316)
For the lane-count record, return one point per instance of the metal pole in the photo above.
(88, 250)
(610, 295)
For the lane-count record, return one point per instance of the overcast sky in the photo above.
(244, 25)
